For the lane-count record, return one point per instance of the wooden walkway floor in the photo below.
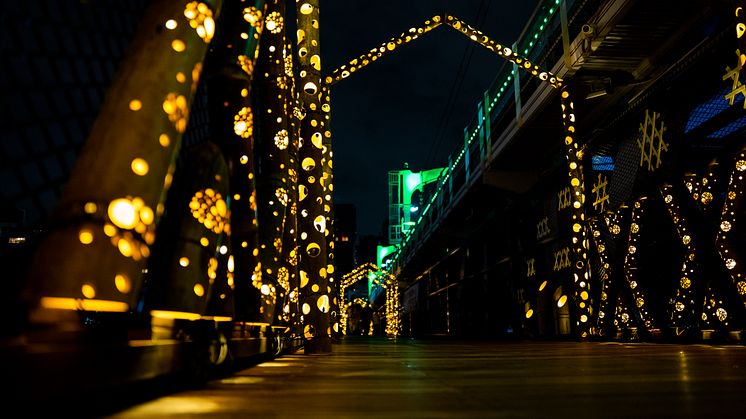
(379, 378)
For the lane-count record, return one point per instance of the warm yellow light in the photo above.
(529, 313)
(561, 302)
(178, 45)
(88, 291)
(59, 303)
(165, 314)
(85, 236)
(135, 105)
(140, 166)
(184, 261)
(163, 140)
(542, 286)
(204, 241)
(584, 295)
(122, 213)
(123, 284)
(90, 207)
(171, 24)
(146, 215)
(199, 290)
(125, 247)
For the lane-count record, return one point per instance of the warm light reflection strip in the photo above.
(178, 315)
(682, 310)
(630, 266)
(61, 303)
(727, 236)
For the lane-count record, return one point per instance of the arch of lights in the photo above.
(573, 153)
(383, 278)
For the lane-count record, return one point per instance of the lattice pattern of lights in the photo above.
(651, 141)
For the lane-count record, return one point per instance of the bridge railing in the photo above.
(541, 42)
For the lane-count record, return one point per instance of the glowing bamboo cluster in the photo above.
(682, 313)
(729, 224)
(119, 183)
(630, 267)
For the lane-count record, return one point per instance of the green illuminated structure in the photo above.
(403, 212)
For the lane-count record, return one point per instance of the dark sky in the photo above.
(395, 110)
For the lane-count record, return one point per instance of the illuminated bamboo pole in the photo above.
(314, 287)
(290, 237)
(630, 268)
(230, 71)
(327, 181)
(357, 64)
(683, 314)
(604, 307)
(581, 273)
(504, 51)
(272, 142)
(93, 255)
(727, 237)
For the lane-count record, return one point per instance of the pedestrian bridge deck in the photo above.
(380, 378)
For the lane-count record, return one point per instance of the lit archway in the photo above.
(581, 273)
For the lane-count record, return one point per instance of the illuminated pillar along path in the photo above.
(630, 267)
(273, 164)
(729, 225)
(683, 309)
(327, 181)
(232, 60)
(733, 206)
(108, 211)
(603, 314)
(289, 272)
(581, 272)
(314, 286)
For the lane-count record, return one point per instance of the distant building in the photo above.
(345, 228)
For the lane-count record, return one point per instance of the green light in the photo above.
(412, 181)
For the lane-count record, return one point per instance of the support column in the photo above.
(230, 71)
(314, 286)
(93, 256)
(581, 274)
(272, 160)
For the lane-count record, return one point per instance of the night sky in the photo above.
(410, 106)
